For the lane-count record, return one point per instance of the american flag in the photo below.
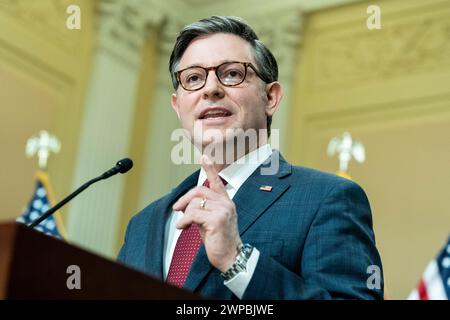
(435, 281)
(40, 202)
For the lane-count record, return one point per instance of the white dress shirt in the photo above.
(235, 174)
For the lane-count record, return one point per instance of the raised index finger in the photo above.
(215, 183)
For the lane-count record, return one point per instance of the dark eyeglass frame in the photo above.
(215, 68)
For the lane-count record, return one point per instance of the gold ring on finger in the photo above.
(203, 204)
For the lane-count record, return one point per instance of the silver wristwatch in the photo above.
(240, 265)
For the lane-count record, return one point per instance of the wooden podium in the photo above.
(34, 266)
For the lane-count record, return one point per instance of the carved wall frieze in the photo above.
(420, 44)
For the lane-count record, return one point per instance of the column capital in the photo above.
(123, 26)
(283, 36)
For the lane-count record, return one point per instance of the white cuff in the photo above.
(239, 282)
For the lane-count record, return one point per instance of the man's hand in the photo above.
(217, 221)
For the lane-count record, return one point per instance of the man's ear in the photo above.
(173, 101)
(274, 93)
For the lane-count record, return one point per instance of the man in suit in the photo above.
(238, 228)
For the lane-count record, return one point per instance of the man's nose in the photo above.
(213, 89)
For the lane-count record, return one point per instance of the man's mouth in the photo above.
(214, 113)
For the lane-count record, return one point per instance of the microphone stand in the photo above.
(122, 166)
(52, 210)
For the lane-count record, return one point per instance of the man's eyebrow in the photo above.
(191, 65)
(202, 66)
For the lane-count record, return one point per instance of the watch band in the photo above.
(240, 264)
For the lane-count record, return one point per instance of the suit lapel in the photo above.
(157, 226)
(251, 202)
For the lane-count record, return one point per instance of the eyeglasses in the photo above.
(230, 74)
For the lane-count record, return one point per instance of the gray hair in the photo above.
(265, 61)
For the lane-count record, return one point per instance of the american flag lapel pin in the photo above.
(266, 188)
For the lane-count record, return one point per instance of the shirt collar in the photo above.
(237, 172)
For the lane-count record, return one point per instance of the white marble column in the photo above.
(107, 125)
(104, 139)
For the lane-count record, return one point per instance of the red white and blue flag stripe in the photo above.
(435, 281)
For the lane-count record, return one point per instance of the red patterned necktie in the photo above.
(185, 251)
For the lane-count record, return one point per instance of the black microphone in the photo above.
(121, 166)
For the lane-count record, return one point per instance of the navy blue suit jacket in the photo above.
(313, 230)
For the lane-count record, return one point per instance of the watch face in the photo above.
(247, 250)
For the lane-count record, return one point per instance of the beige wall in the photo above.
(43, 72)
(390, 89)
(18, 122)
